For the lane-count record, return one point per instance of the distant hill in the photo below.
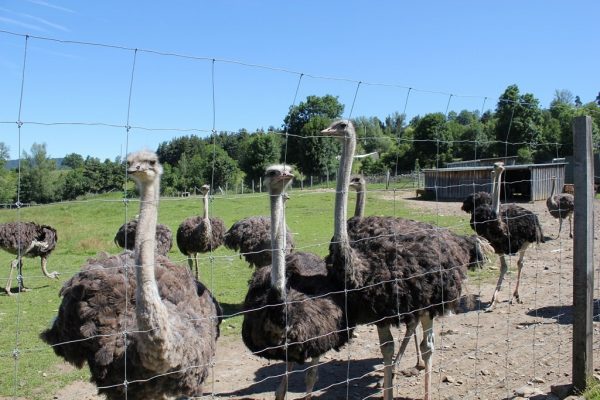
(14, 164)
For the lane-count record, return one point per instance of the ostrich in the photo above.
(392, 278)
(510, 229)
(561, 206)
(252, 238)
(27, 239)
(145, 327)
(164, 237)
(290, 313)
(359, 184)
(200, 234)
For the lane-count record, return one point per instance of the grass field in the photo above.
(29, 368)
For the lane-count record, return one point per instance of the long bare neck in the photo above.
(340, 230)
(496, 193)
(278, 244)
(553, 191)
(359, 209)
(205, 203)
(150, 311)
(145, 243)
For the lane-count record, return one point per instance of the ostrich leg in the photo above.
(427, 349)
(519, 269)
(282, 389)
(570, 228)
(386, 341)
(410, 333)
(559, 226)
(311, 377)
(13, 267)
(503, 270)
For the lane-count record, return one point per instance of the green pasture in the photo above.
(29, 369)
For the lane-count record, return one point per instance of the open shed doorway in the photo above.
(516, 185)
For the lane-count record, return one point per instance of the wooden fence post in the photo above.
(583, 253)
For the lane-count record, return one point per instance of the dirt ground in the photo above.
(516, 351)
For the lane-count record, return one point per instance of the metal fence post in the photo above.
(583, 253)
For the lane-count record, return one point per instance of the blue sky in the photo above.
(76, 97)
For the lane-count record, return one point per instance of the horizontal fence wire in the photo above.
(478, 354)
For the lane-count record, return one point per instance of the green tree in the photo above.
(312, 154)
(259, 151)
(519, 122)
(433, 140)
(37, 181)
(73, 160)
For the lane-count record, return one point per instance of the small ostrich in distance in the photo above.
(251, 237)
(290, 313)
(164, 237)
(561, 206)
(392, 278)
(200, 234)
(27, 239)
(510, 229)
(137, 318)
(359, 184)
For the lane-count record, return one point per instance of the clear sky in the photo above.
(76, 97)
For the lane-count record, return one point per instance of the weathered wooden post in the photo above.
(583, 253)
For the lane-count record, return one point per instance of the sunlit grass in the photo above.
(29, 368)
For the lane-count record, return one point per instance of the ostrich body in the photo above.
(172, 320)
(251, 237)
(392, 278)
(510, 229)
(164, 237)
(200, 234)
(27, 239)
(289, 314)
(561, 206)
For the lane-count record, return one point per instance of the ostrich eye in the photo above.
(152, 162)
(343, 125)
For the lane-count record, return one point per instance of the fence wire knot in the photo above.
(16, 353)
(18, 204)
(19, 124)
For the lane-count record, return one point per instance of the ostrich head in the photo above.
(357, 182)
(277, 178)
(343, 128)
(205, 189)
(143, 167)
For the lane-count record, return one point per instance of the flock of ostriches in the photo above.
(147, 327)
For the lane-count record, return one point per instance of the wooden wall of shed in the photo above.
(456, 185)
(541, 180)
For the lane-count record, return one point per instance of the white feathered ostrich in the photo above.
(392, 278)
(290, 313)
(200, 234)
(510, 229)
(125, 237)
(27, 239)
(561, 206)
(171, 319)
(359, 184)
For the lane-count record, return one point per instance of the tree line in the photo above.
(518, 126)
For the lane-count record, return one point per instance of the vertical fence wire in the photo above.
(479, 388)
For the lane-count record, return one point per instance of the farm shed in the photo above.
(527, 182)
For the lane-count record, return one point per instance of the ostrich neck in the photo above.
(208, 231)
(553, 190)
(340, 232)
(359, 210)
(278, 244)
(150, 311)
(205, 203)
(496, 194)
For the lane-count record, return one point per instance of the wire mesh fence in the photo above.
(520, 348)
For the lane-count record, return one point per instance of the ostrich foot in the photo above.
(516, 300)
(414, 371)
